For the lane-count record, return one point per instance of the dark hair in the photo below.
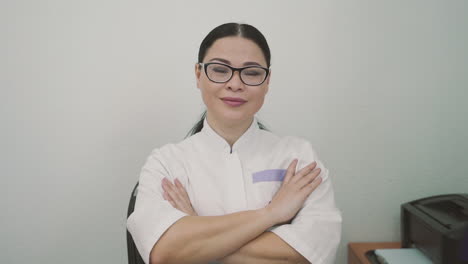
(235, 30)
(199, 126)
(231, 30)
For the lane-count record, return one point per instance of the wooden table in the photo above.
(357, 250)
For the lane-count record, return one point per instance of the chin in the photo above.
(236, 117)
(228, 114)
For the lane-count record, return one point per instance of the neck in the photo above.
(230, 131)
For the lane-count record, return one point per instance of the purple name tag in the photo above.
(268, 175)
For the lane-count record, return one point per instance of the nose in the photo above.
(235, 83)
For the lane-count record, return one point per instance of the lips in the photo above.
(234, 99)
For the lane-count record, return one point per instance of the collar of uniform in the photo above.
(220, 144)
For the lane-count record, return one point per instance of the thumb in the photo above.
(290, 171)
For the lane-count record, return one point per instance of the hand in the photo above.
(177, 196)
(294, 191)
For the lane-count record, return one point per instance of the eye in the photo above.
(220, 69)
(252, 72)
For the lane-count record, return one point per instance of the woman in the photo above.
(233, 192)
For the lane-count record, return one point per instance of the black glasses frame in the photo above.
(233, 70)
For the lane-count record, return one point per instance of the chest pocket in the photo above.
(266, 183)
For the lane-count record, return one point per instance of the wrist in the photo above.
(231, 259)
(268, 213)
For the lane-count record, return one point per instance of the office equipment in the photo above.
(358, 251)
(438, 227)
(401, 256)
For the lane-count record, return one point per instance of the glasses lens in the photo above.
(253, 75)
(218, 72)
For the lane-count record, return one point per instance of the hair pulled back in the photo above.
(231, 30)
(235, 30)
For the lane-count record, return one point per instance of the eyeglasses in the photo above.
(222, 73)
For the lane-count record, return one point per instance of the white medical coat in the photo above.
(220, 180)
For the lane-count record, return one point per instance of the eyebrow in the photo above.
(248, 63)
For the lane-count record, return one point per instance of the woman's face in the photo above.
(237, 52)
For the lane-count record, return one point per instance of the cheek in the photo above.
(259, 100)
(210, 92)
(261, 94)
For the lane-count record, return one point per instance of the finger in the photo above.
(173, 197)
(182, 189)
(176, 192)
(309, 188)
(290, 171)
(166, 185)
(167, 197)
(185, 202)
(173, 204)
(307, 179)
(304, 171)
(181, 203)
(170, 188)
(172, 191)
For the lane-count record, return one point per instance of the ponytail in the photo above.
(199, 126)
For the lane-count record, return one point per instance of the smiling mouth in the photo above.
(233, 99)
(233, 103)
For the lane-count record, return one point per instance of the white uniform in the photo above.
(221, 181)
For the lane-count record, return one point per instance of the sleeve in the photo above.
(152, 215)
(315, 232)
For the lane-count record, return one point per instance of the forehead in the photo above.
(237, 50)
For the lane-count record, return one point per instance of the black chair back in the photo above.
(133, 254)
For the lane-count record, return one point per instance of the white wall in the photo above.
(89, 88)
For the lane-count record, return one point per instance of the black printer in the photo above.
(438, 227)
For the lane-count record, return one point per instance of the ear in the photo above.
(198, 74)
(268, 78)
(268, 82)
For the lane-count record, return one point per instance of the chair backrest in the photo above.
(133, 254)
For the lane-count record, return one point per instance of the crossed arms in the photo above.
(242, 237)
(232, 238)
